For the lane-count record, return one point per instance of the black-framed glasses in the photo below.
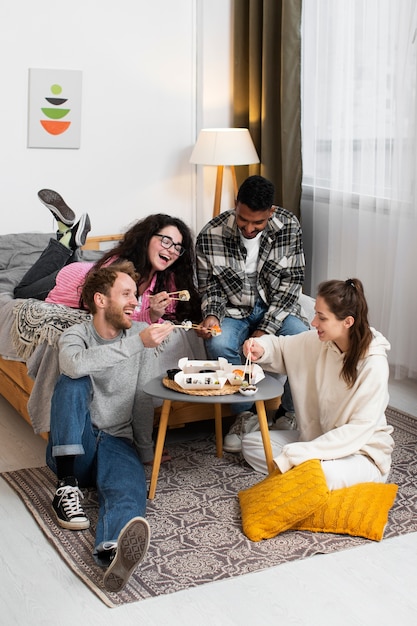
(168, 242)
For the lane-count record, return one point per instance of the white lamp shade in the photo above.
(224, 146)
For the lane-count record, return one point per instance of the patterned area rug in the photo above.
(195, 520)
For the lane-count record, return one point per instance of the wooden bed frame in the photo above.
(16, 385)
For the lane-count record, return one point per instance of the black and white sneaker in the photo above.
(79, 232)
(58, 207)
(132, 546)
(105, 553)
(67, 507)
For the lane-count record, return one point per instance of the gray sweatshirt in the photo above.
(118, 369)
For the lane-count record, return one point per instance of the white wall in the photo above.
(153, 74)
(214, 104)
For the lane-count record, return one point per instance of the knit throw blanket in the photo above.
(36, 322)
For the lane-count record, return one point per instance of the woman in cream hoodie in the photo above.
(339, 379)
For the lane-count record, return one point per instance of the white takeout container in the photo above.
(196, 380)
(195, 367)
(193, 376)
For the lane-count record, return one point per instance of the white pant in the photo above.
(339, 473)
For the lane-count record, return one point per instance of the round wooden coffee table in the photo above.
(268, 388)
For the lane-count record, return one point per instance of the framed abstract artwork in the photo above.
(54, 113)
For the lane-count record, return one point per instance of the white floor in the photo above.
(370, 585)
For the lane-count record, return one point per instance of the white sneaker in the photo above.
(245, 422)
(285, 422)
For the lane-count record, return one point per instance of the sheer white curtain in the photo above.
(359, 204)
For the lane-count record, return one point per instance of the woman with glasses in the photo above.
(161, 249)
(159, 246)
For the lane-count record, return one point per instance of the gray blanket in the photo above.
(18, 252)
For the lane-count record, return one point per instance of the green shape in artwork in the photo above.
(55, 114)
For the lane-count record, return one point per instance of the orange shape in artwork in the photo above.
(55, 128)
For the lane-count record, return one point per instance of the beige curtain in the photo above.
(266, 91)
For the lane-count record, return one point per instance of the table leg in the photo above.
(263, 425)
(218, 429)
(159, 447)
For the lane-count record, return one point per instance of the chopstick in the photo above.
(185, 295)
(213, 331)
(186, 327)
(248, 362)
(176, 295)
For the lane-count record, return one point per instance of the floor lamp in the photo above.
(220, 147)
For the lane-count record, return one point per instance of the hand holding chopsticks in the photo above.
(253, 349)
(248, 363)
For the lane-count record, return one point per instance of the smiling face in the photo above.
(159, 257)
(249, 222)
(329, 327)
(117, 307)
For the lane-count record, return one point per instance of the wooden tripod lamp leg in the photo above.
(218, 192)
(234, 180)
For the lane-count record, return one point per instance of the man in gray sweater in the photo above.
(98, 397)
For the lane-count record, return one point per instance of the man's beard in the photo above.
(116, 318)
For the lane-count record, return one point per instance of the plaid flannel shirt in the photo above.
(223, 284)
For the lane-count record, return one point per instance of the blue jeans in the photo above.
(111, 464)
(235, 332)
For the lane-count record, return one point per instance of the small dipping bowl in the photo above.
(248, 390)
(171, 373)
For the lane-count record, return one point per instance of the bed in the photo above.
(29, 360)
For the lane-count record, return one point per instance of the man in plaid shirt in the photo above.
(250, 267)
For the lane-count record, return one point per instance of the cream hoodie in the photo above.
(334, 421)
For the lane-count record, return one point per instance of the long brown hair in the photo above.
(345, 298)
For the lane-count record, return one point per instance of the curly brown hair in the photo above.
(102, 279)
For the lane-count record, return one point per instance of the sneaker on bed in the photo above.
(79, 232)
(58, 207)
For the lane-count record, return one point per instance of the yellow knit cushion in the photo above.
(280, 500)
(360, 510)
